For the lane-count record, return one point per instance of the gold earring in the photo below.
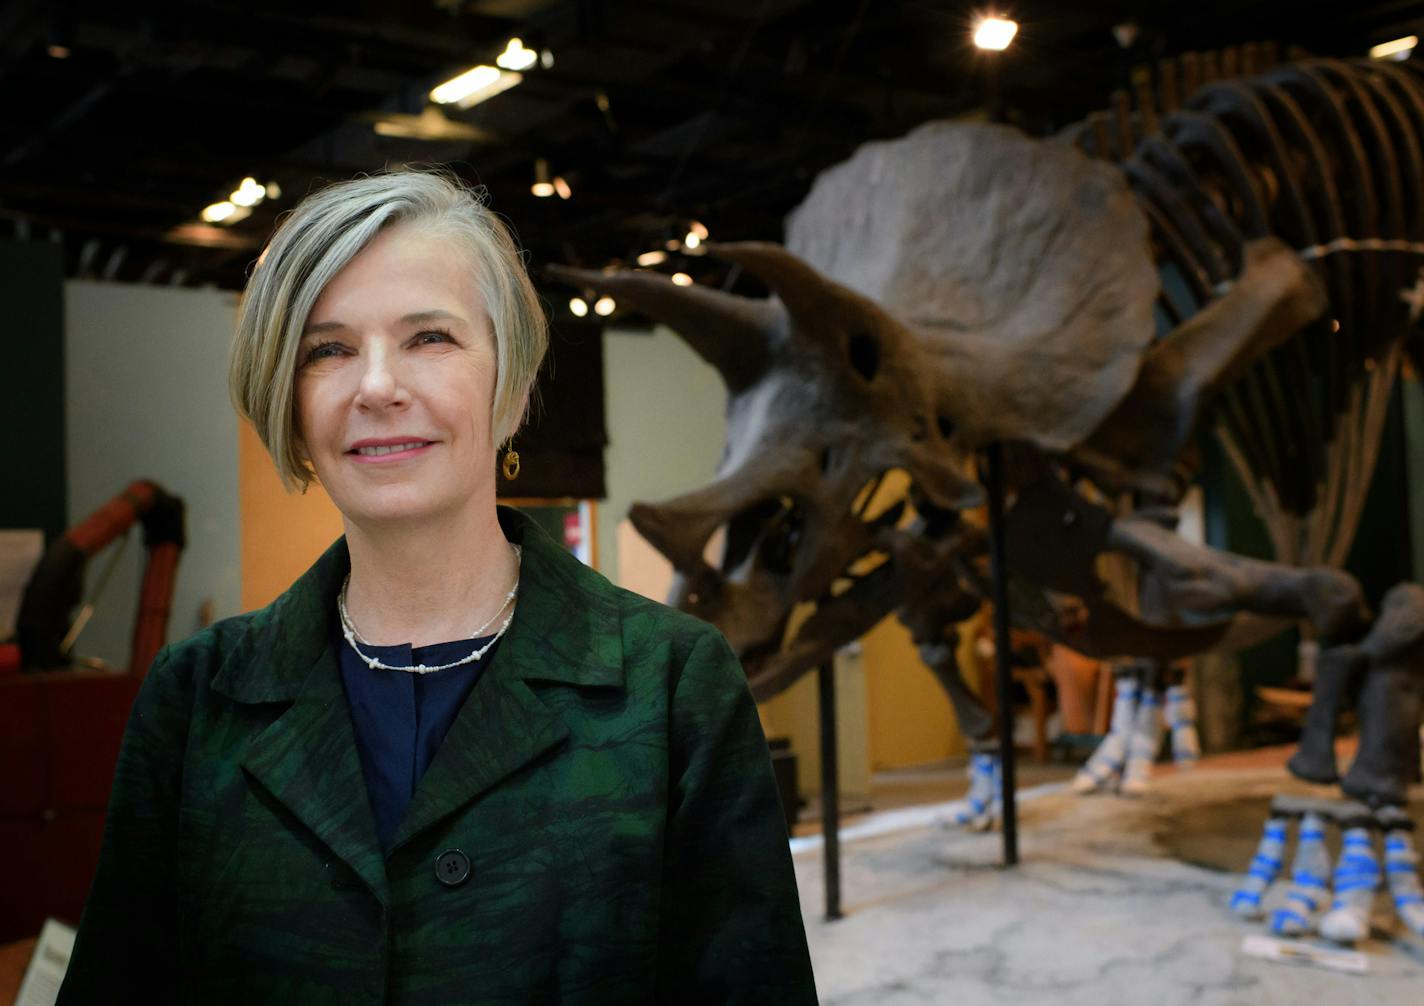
(511, 464)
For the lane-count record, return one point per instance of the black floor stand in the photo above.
(994, 486)
(830, 791)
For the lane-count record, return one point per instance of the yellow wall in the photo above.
(911, 719)
(794, 714)
(282, 533)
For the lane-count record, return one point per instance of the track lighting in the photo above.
(994, 33)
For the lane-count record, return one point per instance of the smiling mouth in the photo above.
(384, 449)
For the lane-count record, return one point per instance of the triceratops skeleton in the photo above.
(1247, 266)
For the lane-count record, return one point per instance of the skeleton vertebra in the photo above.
(966, 285)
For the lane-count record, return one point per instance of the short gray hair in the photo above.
(317, 240)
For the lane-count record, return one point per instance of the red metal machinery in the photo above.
(55, 586)
(60, 731)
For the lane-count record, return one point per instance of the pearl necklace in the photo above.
(353, 638)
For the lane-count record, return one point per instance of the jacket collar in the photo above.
(566, 627)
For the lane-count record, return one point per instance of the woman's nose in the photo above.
(381, 384)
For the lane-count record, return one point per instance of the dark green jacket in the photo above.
(606, 782)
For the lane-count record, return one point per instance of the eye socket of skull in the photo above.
(777, 549)
(864, 352)
(744, 530)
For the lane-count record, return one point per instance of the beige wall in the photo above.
(282, 533)
(665, 412)
(146, 397)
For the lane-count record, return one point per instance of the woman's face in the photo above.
(395, 379)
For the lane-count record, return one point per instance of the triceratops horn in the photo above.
(732, 333)
(801, 288)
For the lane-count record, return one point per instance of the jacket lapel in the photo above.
(501, 728)
(307, 757)
(566, 629)
(308, 760)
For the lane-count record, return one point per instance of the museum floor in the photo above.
(1115, 900)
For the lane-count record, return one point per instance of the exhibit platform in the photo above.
(1115, 900)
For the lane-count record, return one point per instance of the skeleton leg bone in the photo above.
(1141, 442)
(980, 807)
(1180, 711)
(983, 804)
(1211, 583)
(1401, 868)
(1104, 766)
(1265, 867)
(1309, 880)
(1143, 743)
(1391, 701)
(1357, 877)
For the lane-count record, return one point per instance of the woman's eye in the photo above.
(322, 351)
(432, 336)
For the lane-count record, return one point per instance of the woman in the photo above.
(450, 764)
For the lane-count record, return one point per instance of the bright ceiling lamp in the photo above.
(474, 86)
(249, 193)
(604, 306)
(516, 57)
(578, 307)
(1398, 49)
(225, 212)
(994, 33)
(218, 212)
(681, 279)
(651, 258)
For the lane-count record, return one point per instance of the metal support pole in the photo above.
(994, 486)
(830, 792)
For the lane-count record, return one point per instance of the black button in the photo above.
(452, 867)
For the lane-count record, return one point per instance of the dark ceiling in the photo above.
(120, 121)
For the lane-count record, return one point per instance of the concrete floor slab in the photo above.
(1116, 901)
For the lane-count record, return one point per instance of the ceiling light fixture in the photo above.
(1398, 49)
(692, 240)
(562, 187)
(249, 193)
(516, 57)
(604, 306)
(681, 279)
(218, 212)
(578, 307)
(652, 258)
(994, 33)
(696, 228)
(542, 187)
(475, 85)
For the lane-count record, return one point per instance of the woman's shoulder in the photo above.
(195, 660)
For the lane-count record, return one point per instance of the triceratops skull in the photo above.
(825, 395)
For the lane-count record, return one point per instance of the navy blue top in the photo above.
(400, 718)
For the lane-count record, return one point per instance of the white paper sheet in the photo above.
(47, 965)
